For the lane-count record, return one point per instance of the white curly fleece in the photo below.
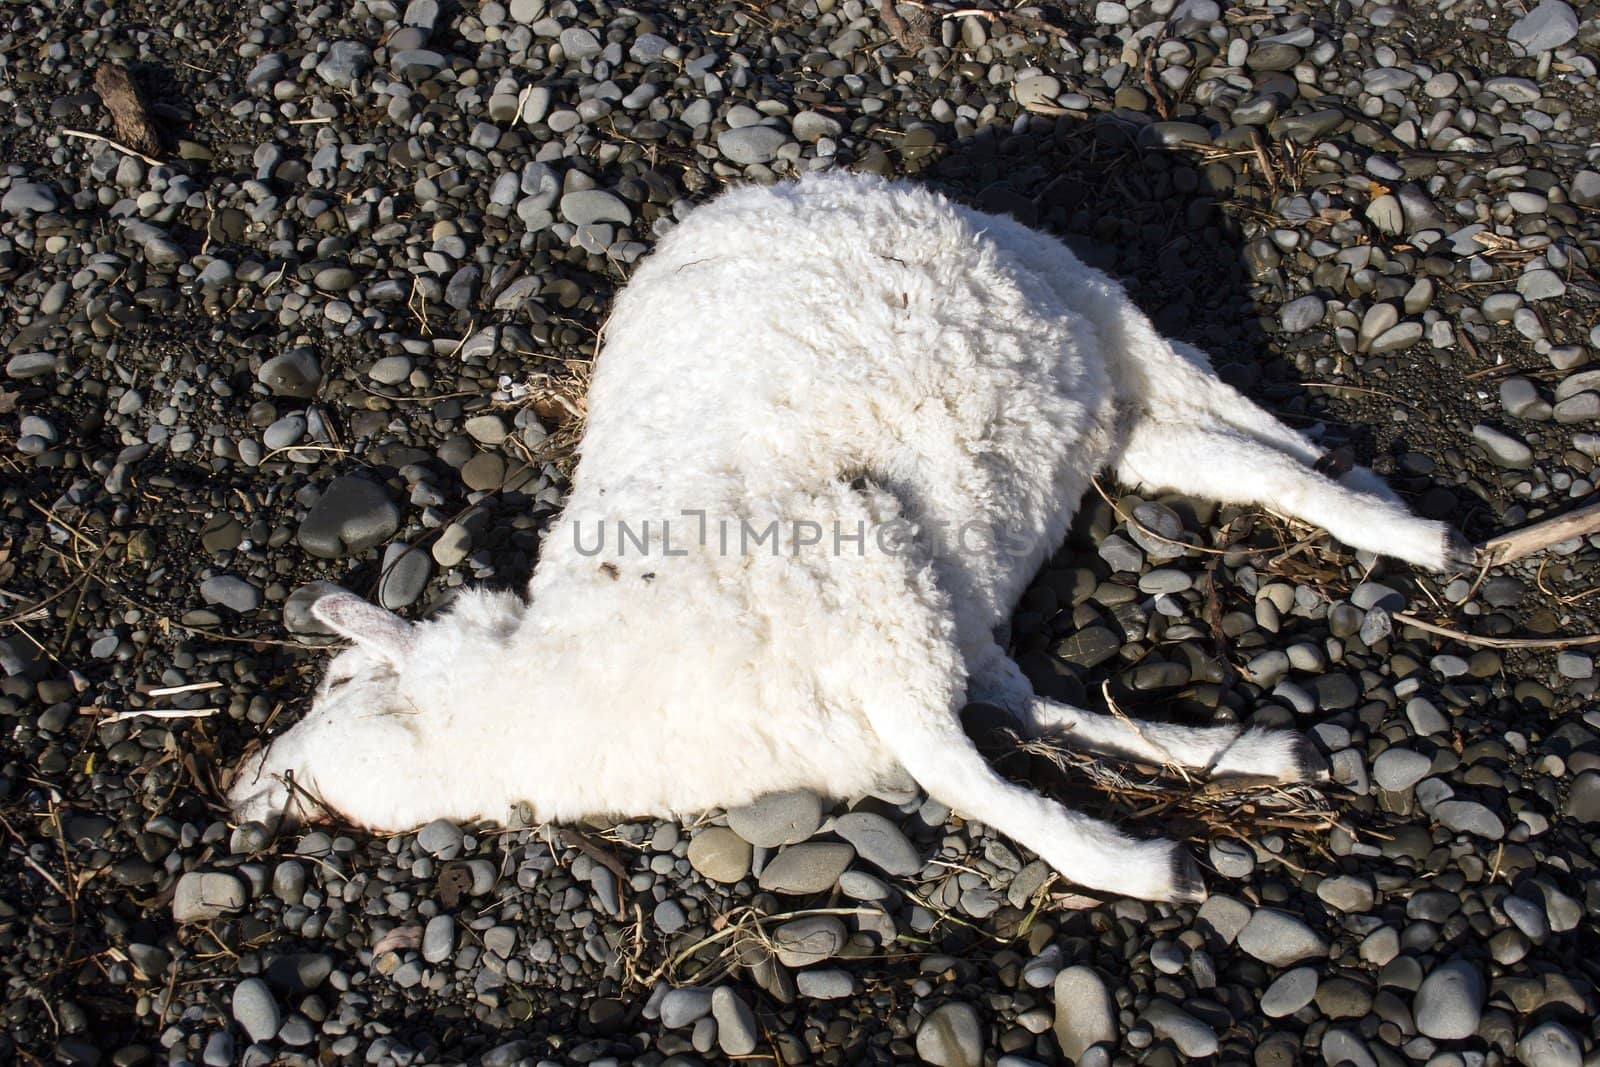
(819, 407)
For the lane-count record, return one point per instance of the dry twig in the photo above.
(1496, 642)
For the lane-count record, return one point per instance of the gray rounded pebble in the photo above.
(880, 842)
(1398, 769)
(1450, 1001)
(736, 1023)
(351, 516)
(1291, 991)
(441, 838)
(1549, 1045)
(1085, 1013)
(777, 818)
(1278, 938)
(1300, 314)
(808, 940)
(404, 575)
(720, 854)
(683, 1007)
(202, 895)
(751, 144)
(811, 867)
(255, 1009)
(439, 939)
(951, 1036)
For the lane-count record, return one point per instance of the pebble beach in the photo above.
(300, 293)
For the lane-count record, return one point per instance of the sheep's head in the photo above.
(361, 750)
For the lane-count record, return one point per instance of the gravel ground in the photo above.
(340, 333)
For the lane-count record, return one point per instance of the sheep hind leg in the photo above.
(919, 723)
(1218, 751)
(1228, 466)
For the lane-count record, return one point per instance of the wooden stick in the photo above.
(1540, 535)
(174, 690)
(118, 145)
(129, 115)
(159, 713)
(1408, 619)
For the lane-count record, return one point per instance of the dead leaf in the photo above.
(398, 940)
(454, 880)
(1072, 902)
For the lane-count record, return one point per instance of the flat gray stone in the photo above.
(1550, 25)
(1352, 893)
(1225, 916)
(777, 818)
(1514, 90)
(1193, 1037)
(951, 1036)
(1278, 938)
(1450, 1001)
(1549, 1045)
(1292, 991)
(1398, 769)
(812, 867)
(751, 144)
(736, 1023)
(825, 983)
(720, 854)
(1585, 188)
(880, 842)
(345, 62)
(202, 895)
(579, 42)
(255, 1009)
(1085, 1013)
(684, 1007)
(1541, 284)
(404, 575)
(1302, 313)
(230, 591)
(810, 127)
(1384, 213)
(32, 364)
(808, 940)
(1032, 91)
(352, 515)
(439, 939)
(28, 198)
(1469, 817)
(441, 839)
(1503, 449)
(583, 207)
(296, 373)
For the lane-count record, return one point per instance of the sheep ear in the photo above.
(380, 632)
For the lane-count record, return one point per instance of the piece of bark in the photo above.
(1540, 535)
(130, 117)
(913, 36)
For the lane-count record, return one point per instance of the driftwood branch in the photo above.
(1407, 619)
(1540, 535)
(130, 116)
